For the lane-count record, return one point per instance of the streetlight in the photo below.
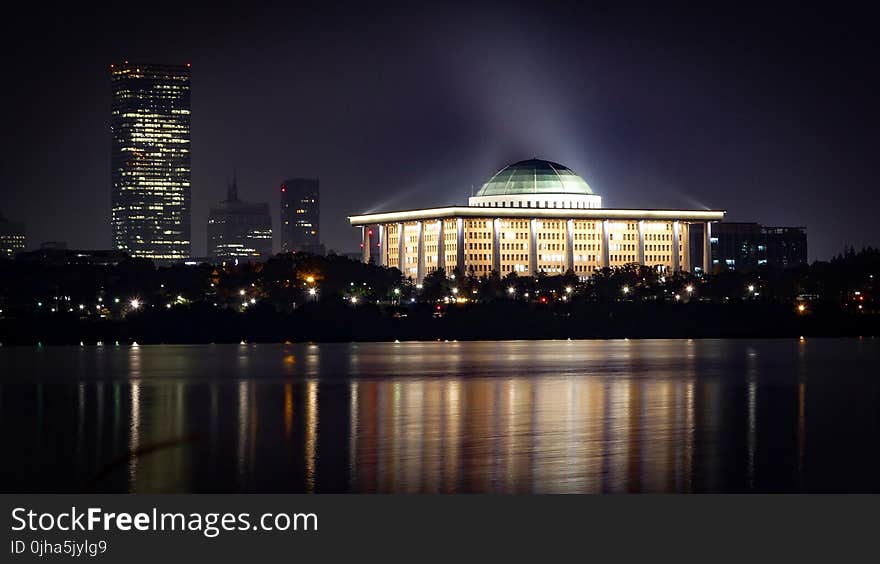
(511, 290)
(312, 291)
(455, 290)
(135, 303)
(751, 287)
(568, 289)
(310, 279)
(626, 289)
(689, 289)
(354, 299)
(241, 292)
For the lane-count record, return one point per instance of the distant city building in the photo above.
(786, 246)
(300, 217)
(63, 257)
(530, 217)
(239, 230)
(744, 246)
(12, 238)
(150, 160)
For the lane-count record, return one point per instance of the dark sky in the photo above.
(771, 114)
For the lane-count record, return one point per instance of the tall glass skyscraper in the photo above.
(150, 128)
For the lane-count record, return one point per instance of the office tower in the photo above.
(300, 202)
(239, 230)
(150, 159)
(12, 238)
(744, 246)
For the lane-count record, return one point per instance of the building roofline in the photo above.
(538, 213)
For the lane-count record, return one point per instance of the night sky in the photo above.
(771, 114)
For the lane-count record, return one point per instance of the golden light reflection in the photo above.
(134, 431)
(520, 435)
(288, 411)
(311, 446)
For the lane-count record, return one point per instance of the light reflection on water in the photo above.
(499, 417)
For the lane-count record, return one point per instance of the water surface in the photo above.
(505, 417)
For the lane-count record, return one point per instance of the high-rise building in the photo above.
(12, 238)
(239, 230)
(744, 246)
(150, 156)
(300, 221)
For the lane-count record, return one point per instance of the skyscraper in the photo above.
(300, 221)
(12, 238)
(150, 159)
(239, 230)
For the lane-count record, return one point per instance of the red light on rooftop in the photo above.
(188, 65)
(283, 189)
(370, 232)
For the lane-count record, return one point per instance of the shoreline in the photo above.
(335, 323)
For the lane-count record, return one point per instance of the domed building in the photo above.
(532, 216)
(536, 183)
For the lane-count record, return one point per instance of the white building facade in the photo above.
(532, 216)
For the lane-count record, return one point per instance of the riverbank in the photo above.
(340, 323)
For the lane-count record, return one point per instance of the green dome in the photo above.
(535, 176)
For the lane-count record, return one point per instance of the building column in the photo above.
(684, 241)
(606, 251)
(496, 245)
(676, 243)
(365, 235)
(533, 247)
(441, 246)
(383, 261)
(401, 250)
(641, 245)
(459, 246)
(707, 247)
(420, 252)
(569, 245)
